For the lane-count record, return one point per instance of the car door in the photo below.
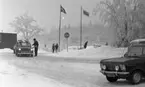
(135, 51)
(143, 59)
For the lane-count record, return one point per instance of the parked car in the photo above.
(23, 48)
(130, 67)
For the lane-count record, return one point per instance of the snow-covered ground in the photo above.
(11, 76)
(6, 50)
(47, 71)
(90, 52)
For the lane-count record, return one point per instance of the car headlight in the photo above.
(19, 49)
(123, 67)
(116, 68)
(103, 67)
(31, 49)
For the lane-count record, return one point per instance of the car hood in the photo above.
(25, 46)
(117, 60)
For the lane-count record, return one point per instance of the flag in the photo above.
(85, 13)
(62, 9)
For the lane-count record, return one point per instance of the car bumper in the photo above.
(24, 53)
(115, 73)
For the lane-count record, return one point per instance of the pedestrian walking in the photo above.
(45, 45)
(53, 48)
(106, 44)
(85, 45)
(56, 47)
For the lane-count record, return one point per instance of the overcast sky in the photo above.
(46, 12)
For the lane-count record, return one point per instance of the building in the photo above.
(7, 40)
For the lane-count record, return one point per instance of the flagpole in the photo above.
(59, 29)
(81, 28)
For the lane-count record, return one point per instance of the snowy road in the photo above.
(75, 72)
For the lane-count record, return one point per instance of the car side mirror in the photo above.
(126, 54)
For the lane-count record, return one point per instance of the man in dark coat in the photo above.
(85, 45)
(36, 45)
(56, 47)
(53, 48)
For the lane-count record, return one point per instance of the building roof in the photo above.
(9, 32)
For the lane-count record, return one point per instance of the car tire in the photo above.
(135, 77)
(13, 52)
(17, 55)
(112, 79)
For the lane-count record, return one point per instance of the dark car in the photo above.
(130, 67)
(23, 48)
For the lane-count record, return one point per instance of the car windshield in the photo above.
(134, 51)
(25, 44)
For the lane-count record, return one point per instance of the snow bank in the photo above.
(42, 51)
(91, 52)
(6, 50)
(10, 76)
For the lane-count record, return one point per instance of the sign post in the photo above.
(66, 35)
(67, 44)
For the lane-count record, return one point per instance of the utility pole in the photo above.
(59, 30)
(81, 28)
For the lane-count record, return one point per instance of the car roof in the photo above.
(138, 41)
(23, 41)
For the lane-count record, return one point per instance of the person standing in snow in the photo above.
(36, 45)
(45, 45)
(53, 48)
(85, 45)
(56, 47)
(106, 44)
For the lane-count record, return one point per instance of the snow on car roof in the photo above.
(138, 40)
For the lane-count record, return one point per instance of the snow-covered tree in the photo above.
(26, 26)
(124, 16)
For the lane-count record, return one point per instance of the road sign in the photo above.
(66, 35)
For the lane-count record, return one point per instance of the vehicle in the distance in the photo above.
(23, 48)
(130, 67)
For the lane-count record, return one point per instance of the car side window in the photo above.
(0, 38)
(135, 51)
(144, 51)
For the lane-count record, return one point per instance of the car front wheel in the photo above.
(136, 77)
(112, 79)
(17, 55)
(31, 55)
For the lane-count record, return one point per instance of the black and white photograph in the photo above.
(72, 43)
